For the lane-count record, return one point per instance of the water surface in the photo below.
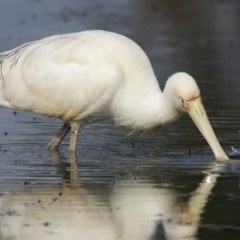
(167, 186)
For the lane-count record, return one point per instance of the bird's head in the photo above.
(182, 89)
(184, 95)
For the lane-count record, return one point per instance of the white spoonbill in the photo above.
(94, 75)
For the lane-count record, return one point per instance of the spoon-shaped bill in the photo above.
(198, 114)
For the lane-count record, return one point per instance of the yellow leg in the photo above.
(74, 137)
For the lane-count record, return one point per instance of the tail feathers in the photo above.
(1, 58)
(2, 101)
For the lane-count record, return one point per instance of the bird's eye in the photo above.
(182, 101)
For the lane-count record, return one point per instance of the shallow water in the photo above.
(167, 186)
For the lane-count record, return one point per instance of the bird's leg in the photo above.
(55, 142)
(74, 167)
(74, 136)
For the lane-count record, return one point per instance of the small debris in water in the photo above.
(27, 183)
(6, 133)
(11, 213)
(189, 151)
(15, 112)
(46, 224)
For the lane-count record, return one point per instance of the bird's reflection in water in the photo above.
(128, 210)
(71, 175)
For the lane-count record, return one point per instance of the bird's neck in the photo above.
(145, 112)
(169, 110)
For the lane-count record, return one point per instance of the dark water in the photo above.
(167, 186)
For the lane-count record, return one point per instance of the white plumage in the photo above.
(91, 76)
